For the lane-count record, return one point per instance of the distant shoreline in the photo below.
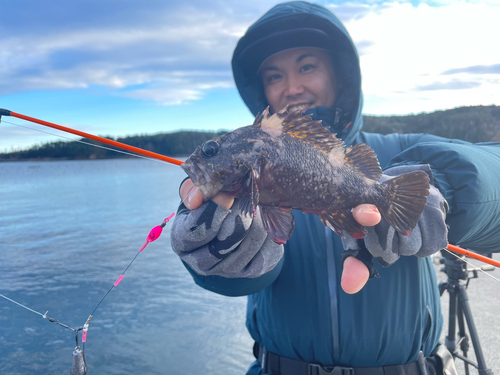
(472, 124)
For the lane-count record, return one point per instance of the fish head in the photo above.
(224, 163)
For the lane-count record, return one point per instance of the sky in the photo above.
(126, 67)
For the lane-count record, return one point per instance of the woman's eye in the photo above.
(209, 148)
(306, 68)
(272, 78)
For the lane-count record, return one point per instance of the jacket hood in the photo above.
(302, 24)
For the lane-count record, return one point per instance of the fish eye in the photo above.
(209, 148)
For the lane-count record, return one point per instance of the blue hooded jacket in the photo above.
(304, 314)
(298, 309)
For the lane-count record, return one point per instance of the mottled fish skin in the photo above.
(78, 367)
(287, 161)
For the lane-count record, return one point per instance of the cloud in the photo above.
(405, 49)
(350, 11)
(438, 3)
(176, 91)
(363, 46)
(452, 85)
(121, 46)
(475, 69)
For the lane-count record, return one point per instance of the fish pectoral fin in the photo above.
(364, 160)
(341, 221)
(278, 222)
(255, 188)
(246, 206)
(249, 203)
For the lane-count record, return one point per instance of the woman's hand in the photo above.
(355, 274)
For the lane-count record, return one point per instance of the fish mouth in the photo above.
(201, 179)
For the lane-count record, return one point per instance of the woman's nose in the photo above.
(294, 86)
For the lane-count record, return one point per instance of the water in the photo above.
(67, 231)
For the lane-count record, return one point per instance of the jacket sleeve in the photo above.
(386, 245)
(467, 176)
(225, 252)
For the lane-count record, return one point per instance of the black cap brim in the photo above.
(257, 52)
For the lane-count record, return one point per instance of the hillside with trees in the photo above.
(170, 144)
(473, 124)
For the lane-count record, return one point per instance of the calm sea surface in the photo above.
(67, 231)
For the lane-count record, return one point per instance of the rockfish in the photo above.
(287, 161)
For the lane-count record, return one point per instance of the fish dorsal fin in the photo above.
(258, 119)
(364, 160)
(271, 124)
(299, 127)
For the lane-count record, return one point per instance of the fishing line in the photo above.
(52, 320)
(85, 143)
(153, 235)
(20, 304)
(462, 258)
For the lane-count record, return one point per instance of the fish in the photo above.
(78, 367)
(286, 161)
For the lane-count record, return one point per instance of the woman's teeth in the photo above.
(298, 107)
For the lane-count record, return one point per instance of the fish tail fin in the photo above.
(405, 200)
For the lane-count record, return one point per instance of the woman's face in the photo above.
(301, 78)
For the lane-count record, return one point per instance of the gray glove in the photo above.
(215, 241)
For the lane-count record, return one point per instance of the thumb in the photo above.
(354, 275)
(190, 195)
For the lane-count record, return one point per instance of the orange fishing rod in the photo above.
(474, 255)
(137, 150)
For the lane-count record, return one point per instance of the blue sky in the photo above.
(123, 67)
